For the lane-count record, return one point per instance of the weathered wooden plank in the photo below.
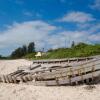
(16, 72)
(89, 64)
(35, 67)
(73, 72)
(62, 81)
(61, 60)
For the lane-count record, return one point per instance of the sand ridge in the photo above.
(31, 92)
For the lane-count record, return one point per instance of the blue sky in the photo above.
(49, 23)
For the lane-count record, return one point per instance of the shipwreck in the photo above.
(57, 72)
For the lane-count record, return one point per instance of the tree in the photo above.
(24, 49)
(31, 47)
(0, 56)
(73, 44)
(81, 45)
(17, 53)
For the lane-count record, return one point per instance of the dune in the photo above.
(31, 92)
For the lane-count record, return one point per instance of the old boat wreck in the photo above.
(57, 72)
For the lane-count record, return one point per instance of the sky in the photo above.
(49, 23)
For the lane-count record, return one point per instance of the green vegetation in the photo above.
(31, 47)
(29, 56)
(1, 57)
(22, 51)
(79, 50)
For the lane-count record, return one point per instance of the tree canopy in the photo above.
(22, 51)
(76, 50)
(31, 47)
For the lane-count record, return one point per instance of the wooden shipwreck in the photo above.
(57, 72)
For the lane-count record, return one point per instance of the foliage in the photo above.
(22, 51)
(29, 55)
(31, 47)
(73, 44)
(17, 53)
(2, 57)
(79, 50)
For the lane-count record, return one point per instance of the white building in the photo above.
(39, 54)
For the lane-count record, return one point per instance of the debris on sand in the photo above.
(90, 87)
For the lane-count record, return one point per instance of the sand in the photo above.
(30, 92)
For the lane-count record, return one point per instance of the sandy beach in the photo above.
(30, 92)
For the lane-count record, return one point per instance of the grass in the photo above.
(80, 50)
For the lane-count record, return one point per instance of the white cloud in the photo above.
(23, 33)
(65, 38)
(43, 34)
(95, 28)
(96, 5)
(95, 37)
(79, 17)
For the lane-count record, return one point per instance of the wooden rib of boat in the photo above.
(56, 74)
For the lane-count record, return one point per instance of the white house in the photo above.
(39, 54)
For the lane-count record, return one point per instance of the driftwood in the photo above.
(62, 60)
(56, 72)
